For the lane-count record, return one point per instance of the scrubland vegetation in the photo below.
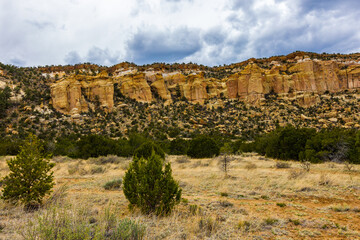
(259, 198)
(189, 171)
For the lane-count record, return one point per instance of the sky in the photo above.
(208, 32)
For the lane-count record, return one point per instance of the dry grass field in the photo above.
(259, 199)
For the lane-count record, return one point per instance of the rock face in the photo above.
(78, 93)
(301, 80)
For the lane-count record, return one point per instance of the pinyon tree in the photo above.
(149, 185)
(30, 178)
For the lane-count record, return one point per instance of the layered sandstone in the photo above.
(301, 79)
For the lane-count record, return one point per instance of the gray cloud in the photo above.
(101, 56)
(17, 62)
(147, 46)
(40, 24)
(94, 55)
(73, 57)
(325, 5)
(215, 36)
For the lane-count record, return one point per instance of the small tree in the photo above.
(29, 179)
(150, 187)
(226, 151)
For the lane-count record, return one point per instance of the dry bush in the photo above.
(61, 159)
(182, 159)
(296, 173)
(306, 165)
(97, 170)
(195, 209)
(196, 164)
(57, 196)
(250, 166)
(113, 185)
(348, 166)
(244, 225)
(340, 208)
(76, 168)
(325, 180)
(282, 165)
(208, 225)
(107, 159)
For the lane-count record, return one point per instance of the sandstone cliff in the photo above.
(300, 79)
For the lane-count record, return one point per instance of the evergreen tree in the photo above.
(29, 179)
(203, 147)
(146, 149)
(150, 187)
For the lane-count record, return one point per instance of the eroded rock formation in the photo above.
(301, 80)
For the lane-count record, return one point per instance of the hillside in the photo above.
(242, 99)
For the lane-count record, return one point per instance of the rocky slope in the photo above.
(300, 78)
(163, 100)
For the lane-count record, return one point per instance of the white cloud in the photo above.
(44, 32)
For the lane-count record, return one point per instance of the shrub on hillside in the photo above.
(203, 147)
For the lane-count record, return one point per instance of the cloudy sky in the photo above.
(209, 32)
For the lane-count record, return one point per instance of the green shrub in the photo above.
(146, 149)
(150, 187)
(179, 146)
(95, 146)
(203, 147)
(113, 185)
(30, 178)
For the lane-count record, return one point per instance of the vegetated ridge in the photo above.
(242, 99)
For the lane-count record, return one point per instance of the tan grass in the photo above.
(240, 206)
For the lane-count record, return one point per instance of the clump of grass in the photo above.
(61, 159)
(296, 173)
(340, 208)
(296, 222)
(113, 185)
(325, 180)
(57, 196)
(244, 225)
(107, 159)
(97, 170)
(305, 165)
(208, 225)
(68, 223)
(226, 204)
(194, 209)
(76, 168)
(357, 210)
(270, 221)
(250, 166)
(282, 165)
(264, 197)
(73, 168)
(185, 201)
(281, 204)
(182, 159)
(224, 194)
